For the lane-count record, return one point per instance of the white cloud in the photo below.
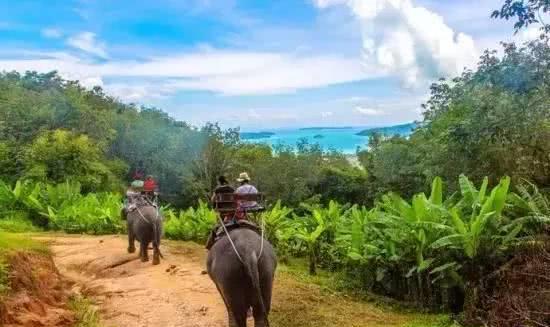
(218, 71)
(355, 99)
(51, 33)
(327, 114)
(368, 111)
(86, 41)
(409, 40)
(272, 73)
(531, 33)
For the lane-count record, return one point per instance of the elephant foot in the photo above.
(144, 259)
(131, 249)
(156, 260)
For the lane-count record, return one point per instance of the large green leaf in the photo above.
(436, 197)
(458, 223)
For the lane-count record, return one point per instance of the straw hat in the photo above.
(243, 177)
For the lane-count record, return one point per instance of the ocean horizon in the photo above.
(343, 139)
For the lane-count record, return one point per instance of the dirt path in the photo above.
(135, 294)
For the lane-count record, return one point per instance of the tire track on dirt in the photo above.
(131, 293)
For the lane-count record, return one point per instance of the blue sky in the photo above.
(256, 64)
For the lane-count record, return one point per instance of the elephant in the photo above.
(145, 225)
(244, 280)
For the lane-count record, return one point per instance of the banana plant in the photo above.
(418, 224)
(478, 231)
(311, 238)
(531, 207)
(319, 226)
(191, 224)
(356, 233)
(23, 195)
(276, 223)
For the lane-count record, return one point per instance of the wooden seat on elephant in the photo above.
(230, 203)
(233, 209)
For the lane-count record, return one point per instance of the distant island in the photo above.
(320, 128)
(403, 129)
(256, 135)
(318, 136)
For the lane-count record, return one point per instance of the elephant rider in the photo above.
(132, 194)
(222, 188)
(138, 172)
(149, 188)
(245, 188)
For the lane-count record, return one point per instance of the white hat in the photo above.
(243, 177)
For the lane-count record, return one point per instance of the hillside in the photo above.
(403, 129)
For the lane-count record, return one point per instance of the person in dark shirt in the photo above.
(222, 188)
(139, 172)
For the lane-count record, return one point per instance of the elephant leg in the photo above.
(259, 318)
(237, 307)
(235, 315)
(156, 255)
(143, 251)
(131, 241)
(236, 319)
(267, 289)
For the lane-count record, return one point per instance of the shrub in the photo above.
(191, 224)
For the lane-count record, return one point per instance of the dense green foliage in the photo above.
(191, 224)
(52, 130)
(59, 207)
(490, 122)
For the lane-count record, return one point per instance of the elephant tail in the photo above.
(252, 269)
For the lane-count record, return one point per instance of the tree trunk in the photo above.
(312, 262)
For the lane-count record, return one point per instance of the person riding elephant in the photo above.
(133, 192)
(222, 188)
(150, 188)
(245, 188)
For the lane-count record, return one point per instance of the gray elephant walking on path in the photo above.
(247, 283)
(145, 226)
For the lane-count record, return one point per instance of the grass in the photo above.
(17, 225)
(10, 243)
(85, 311)
(303, 300)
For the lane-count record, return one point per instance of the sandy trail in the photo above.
(135, 294)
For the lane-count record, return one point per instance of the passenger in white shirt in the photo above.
(246, 188)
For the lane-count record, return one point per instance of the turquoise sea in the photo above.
(344, 140)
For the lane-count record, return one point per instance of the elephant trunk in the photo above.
(251, 266)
